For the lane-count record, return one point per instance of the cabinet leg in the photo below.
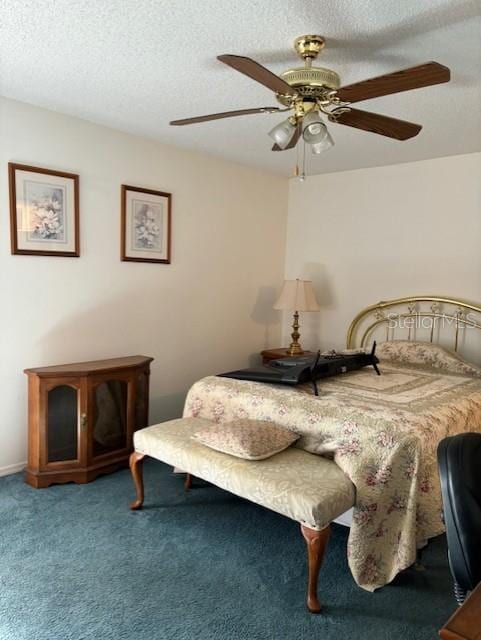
(316, 545)
(136, 467)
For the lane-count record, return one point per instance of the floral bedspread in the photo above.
(382, 431)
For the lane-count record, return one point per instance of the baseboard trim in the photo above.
(12, 468)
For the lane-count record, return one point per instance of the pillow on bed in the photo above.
(426, 354)
(248, 439)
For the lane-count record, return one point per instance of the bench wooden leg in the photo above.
(188, 481)
(136, 462)
(316, 546)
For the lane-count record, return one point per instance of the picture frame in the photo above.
(44, 211)
(146, 220)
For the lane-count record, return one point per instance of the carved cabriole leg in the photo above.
(136, 467)
(316, 546)
(188, 481)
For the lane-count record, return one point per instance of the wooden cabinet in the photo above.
(465, 623)
(81, 418)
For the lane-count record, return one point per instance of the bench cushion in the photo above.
(300, 485)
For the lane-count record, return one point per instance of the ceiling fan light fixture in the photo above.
(313, 128)
(315, 133)
(309, 93)
(320, 147)
(282, 133)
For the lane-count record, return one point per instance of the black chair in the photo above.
(459, 461)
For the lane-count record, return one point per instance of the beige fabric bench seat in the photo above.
(302, 486)
(297, 484)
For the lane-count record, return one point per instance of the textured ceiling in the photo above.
(136, 64)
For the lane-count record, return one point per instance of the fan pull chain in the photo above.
(297, 171)
(302, 177)
(300, 172)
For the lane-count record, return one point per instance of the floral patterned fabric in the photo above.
(425, 354)
(248, 439)
(382, 431)
(295, 483)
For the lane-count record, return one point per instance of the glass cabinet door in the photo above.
(62, 421)
(109, 417)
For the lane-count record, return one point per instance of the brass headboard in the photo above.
(423, 318)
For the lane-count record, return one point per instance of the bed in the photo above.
(382, 431)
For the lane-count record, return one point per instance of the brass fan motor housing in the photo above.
(310, 82)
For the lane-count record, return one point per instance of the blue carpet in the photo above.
(76, 564)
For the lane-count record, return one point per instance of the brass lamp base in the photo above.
(295, 348)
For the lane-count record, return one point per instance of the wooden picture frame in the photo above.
(146, 219)
(44, 213)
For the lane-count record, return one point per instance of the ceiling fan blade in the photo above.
(257, 72)
(225, 114)
(423, 75)
(377, 123)
(292, 142)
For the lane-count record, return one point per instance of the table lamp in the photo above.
(297, 295)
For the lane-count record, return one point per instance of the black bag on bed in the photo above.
(293, 371)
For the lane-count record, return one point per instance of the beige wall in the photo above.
(381, 233)
(206, 312)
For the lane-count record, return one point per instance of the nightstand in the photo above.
(277, 354)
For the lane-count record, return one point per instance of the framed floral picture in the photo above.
(146, 225)
(44, 211)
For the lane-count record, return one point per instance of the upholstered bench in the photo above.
(304, 487)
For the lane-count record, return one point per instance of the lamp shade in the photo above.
(282, 133)
(326, 144)
(297, 295)
(313, 128)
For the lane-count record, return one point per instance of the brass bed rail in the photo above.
(431, 315)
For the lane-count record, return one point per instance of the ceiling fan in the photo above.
(307, 92)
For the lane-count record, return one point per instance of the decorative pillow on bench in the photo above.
(248, 439)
